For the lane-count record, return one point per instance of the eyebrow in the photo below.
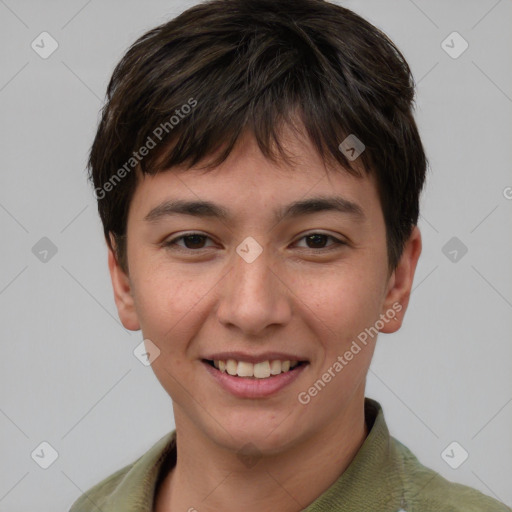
(298, 208)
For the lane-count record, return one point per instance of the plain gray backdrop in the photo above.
(69, 377)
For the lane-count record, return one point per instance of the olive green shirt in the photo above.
(384, 476)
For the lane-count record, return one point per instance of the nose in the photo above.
(254, 296)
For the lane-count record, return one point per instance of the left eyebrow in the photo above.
(308, 206)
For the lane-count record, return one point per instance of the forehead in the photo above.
(247, 181)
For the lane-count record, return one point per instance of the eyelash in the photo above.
(171, 244)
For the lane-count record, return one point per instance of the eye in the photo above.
(192, 241)
(195, 241)
(318, 241)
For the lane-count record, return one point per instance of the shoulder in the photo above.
(99, 493)
(425, 490)
(134, 482)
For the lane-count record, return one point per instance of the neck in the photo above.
(208, 478)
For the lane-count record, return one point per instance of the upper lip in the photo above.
(251, 358)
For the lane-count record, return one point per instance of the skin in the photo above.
(297, 297)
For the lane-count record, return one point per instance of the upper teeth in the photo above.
(260, 370)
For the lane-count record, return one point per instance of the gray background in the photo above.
(68, 373)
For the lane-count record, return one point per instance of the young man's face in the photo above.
(302, 299)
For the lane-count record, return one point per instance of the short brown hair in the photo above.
(193, 84)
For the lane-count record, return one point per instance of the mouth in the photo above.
(258, 380)
(269, 369)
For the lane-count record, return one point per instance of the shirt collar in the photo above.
(372, 481)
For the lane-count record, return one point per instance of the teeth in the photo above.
(275, 367)
(231, 366)
(261, 370)
(245, 369)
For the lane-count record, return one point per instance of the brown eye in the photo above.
(319, 240)
(192, 241)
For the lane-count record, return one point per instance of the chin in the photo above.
(260, 437)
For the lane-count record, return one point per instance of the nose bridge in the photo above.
(253, 297)
(252, 274)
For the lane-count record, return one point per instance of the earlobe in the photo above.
(400, 283)
(122, 294)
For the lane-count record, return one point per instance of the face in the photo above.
(261, 283)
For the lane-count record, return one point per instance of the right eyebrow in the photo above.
(180, 207)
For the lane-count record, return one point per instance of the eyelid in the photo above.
(172, 242)
(337, 239)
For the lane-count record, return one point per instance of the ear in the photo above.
(400, 283)
(122, 292)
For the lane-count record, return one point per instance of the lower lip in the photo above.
(244, 387)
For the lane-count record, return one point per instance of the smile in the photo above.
(254, 380)
(260, 370)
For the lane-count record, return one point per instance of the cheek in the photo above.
(164, 300)
(170, 312)
(344, 301)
